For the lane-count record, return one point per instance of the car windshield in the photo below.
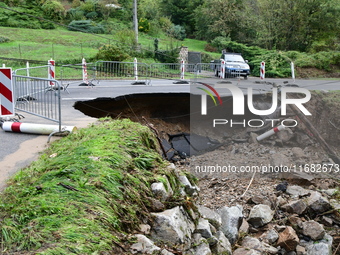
(234, 58)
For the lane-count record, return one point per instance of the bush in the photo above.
(53, 10)
(167, 56)
(143, 25)
(4, 39)
(87, 26)
(111, 53)
(210, 48)
(177, 32)
(165, 24)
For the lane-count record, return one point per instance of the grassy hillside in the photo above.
(70, 47)
(84, 192)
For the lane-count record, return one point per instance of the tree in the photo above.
(181, 12)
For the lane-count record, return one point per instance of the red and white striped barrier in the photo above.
(270, 132)
(85, 78)
(6, 93)
(222, 72)
(31, 128)
(51, 71)
(182, 69)
(262, 70)
(135, 68)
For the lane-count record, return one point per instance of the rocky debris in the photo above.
(318, 203)
(298, 153)
(246, 251)
(321, 247)
(313, 229)
(266, 221)
(159, 191)
(260, 215)
(330, 192)
(231, 221)
(300, 250)
(288, 239)
(191, 190)
(297, 191)
(270, 236)
(155, 205)
(244, 228)
(326, 221)
(203, 228)
(278, 159)
(285, 135)
(143, 245)
(172, 226)
(298, 207)
(166, 252)
(145, 229)
(256, 244)
(222, 245)
(201, 246)
(212, 216)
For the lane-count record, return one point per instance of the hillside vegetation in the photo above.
(262, 30)
(85, 192)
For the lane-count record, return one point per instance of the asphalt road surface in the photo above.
(18, 150)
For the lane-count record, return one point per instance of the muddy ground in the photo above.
(297, 149)
(294, 147)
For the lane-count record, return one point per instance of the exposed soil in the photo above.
(169, 114)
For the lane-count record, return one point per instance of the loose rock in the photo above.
(288, 239)
(231, 221)
(143, 245)
(172, 226)
(318, 203)
(260, 215)
(313, 229)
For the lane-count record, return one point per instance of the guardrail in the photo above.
(37, 97)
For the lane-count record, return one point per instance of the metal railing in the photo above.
(38, 96)
(112, 70)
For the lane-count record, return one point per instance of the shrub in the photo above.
(54, 10)
(87, 26)
(177, 32)
(111, 53)
(165, 24)
(143, 25)
(210, 48)
(4, 39)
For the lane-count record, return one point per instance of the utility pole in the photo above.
(135, 21)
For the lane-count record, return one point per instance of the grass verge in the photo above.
(83, 193)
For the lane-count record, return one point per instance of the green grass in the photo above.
(111, 165)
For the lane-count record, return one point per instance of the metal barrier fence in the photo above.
(72, 73)
(34, 71)
(114, 70)
(111, 70)
(37, 97)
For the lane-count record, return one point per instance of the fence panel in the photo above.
(113, 70)
(73, 73)
(36, 96)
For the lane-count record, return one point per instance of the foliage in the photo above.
(4, 39)
(143, 25)
(181, 12)
(111, 53)
(53, 9)
(83, 192)
(168, 56)
(177, 32)
(87, 26)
